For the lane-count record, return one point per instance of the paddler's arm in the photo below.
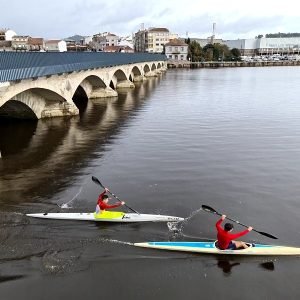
(113, 206)
(239, 234)
(218, 224)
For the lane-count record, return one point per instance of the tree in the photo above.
(194, 51)
(236, 54)
(208, 52)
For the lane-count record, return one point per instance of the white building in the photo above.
(102, 40)
(266, 46)
(88, 39)
(56, 45)
(176, 49)
(20, 42)
(112, 39)
(126, 41)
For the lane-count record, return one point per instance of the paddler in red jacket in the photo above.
(225, 238)
(102, 203)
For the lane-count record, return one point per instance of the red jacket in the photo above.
(225, 237)
(104, 205)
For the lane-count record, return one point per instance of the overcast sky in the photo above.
(234, 19)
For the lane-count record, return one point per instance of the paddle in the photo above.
(97, 181)
(211, 210)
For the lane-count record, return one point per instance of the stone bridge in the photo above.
(41, 85)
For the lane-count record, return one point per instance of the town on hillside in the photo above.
(160, 40)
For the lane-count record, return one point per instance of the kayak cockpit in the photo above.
(239, 249)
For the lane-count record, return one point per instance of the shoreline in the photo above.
(229, 64)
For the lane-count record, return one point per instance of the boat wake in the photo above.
(68, 204)
(117, 242)
(177, 227)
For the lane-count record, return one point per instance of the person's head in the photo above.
(228, 227)
(105, 198)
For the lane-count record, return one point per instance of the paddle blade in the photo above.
(97, 181)
(209, 209)
(267, 234)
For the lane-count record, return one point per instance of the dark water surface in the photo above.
(228, 138)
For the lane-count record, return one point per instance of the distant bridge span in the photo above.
(40, 85)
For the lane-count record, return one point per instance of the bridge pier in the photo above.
(103, 93)
(151, 74)
(125, 84)
(59, 110)
(139, 78)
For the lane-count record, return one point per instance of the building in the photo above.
(157, 38)
(76, 46)
(204, 42)
(56, 45)
(102, 40)
(126, 41)
(5, 39)
(111, 39)
(176, 49)
(5, 45)
(20, 42)
(141, 41)
(152, 40)
(266, 46)
(6, 34)
(124, 49)
(36, 44)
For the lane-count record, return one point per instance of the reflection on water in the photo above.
(39, 157)
(226, 265)
(10, 278)
(268, 265)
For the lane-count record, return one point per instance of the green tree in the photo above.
(217, 52)
(236, 54)
(194, 51)
(208, 52)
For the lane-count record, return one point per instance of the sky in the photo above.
(193, 18)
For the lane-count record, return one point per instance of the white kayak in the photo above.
(210, 248)
(107, 216)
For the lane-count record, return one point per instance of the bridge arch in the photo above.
(91, 83)
(146, 68)
(14, 109)
(136, 74)
(119, 80)
(32, 104)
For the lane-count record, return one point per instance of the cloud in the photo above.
(66, 17)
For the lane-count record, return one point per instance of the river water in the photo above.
(228, 138)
